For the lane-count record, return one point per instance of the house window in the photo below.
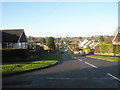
(23, 45)
(10, 45)
(7, 45)
(20, 45)
(4, 45)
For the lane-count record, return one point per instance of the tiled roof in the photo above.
(11, 35)
(117, 38)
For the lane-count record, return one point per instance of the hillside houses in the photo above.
(88, 43)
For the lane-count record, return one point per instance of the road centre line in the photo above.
(72, 78)
(91, 65)
(75, 57)
(113, 76)
(80, 60)
(61, 78)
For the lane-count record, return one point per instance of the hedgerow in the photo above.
(109, 48)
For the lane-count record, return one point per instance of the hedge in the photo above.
(13, 55)
(109, 48)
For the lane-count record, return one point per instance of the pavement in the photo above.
(74, 71)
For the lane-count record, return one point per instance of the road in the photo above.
(74, 71)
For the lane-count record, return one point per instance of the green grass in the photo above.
(109, 58)
(14, 68)
(46, 62)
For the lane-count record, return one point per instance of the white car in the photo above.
(76, 52)
(65, 50)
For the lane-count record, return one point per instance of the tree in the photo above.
(102, 38)
(67, 41)
(50, 43)
(42, 40)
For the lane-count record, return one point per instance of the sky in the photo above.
(61, 19)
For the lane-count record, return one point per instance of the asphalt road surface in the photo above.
(74, 71)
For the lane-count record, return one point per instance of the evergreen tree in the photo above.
(50, 43)
(102, 38)
(42, 40)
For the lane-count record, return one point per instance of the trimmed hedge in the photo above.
(13, 55)
(109, 48)
(18, 55)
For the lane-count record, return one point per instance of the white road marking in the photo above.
(113, 76)
(75, 57)
(80, 60)
(82, 78)
(66, 78)
(91, 65)
(60, 78)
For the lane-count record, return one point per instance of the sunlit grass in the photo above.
(46, 61)
(14, 68)
(109, 58)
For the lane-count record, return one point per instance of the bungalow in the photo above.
(116, 39)
(14, 38)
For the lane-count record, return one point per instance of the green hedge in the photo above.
(9, 55)
(18, 55)
(109, 48)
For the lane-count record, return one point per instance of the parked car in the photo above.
(76, 52)
(66, 50)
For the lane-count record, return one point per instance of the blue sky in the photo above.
(61, 18)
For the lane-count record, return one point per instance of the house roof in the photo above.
(117, 37)
(13, 35)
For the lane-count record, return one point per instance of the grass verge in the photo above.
(108, 58)
(15, 68)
